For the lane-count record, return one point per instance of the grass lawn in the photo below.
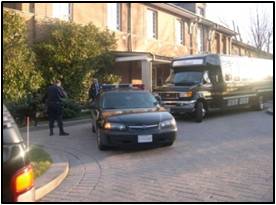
(40, 160)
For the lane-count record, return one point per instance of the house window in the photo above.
(200, 39)
(32, 7)
(200, 11)
(152, 23)
(114, 16)
(62, 11)
(179, 31)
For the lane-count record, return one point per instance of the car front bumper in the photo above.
(120, 138)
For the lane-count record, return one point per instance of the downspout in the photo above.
(129, 41)
(129, 47)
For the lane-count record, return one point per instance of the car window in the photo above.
(126, 100)
(10, 130)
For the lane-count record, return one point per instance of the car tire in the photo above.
(259, 104)
(99, 141)
(199, 112)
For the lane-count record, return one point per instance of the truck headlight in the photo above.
(168, 123)
(114, 126)
(186, 94)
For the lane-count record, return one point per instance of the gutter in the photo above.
(193, 17)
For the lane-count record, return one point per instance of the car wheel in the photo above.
(259, 105)
(99, 141)
(199, 112)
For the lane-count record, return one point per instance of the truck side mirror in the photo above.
(158, 98)
(206, 79)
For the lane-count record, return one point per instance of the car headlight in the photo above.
(114, 126)
(168, 123)
(186, 94)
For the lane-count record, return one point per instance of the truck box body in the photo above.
(216, 82)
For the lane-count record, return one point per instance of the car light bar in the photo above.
(106, 87)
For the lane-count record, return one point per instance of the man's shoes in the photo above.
(63, 134)
(51, 133)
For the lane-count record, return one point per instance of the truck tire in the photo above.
(99, 141)
(259, 104)
(199, 112)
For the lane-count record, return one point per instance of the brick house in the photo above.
(149, 34)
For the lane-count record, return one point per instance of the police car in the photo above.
(125, 114)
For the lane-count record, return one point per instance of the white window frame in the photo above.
(179, 32)
(62, 11)
(152, 24)
(114, 16)
(200, 11)
(200, 39)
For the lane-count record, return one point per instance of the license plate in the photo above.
(144, 138)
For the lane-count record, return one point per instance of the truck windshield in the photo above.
(185, 78)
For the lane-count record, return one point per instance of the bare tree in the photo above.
(261, 30)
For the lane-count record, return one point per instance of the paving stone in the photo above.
(226, 158)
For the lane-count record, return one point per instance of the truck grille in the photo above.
(170, 96)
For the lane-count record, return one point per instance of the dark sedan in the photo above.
(17, 172)
(123, 117)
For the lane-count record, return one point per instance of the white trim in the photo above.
(239, 96)
(264, 90)
(179, 102)
(133, 58)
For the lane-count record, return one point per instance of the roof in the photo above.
(194, 17)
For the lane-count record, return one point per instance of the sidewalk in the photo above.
(44, 124)
(60, 166)
(54, 176)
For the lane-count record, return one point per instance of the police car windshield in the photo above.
(128, 100)
(186, 78)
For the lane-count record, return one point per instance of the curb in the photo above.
(53, 177)
(65, 124)
(43, 190)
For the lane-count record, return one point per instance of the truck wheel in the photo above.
(199, 112)
(99, 141)
(259, 104)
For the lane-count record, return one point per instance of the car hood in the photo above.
(138, 116)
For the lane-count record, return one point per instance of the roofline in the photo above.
(194, 17)
(250, 47)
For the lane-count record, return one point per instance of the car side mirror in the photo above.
(158, 98)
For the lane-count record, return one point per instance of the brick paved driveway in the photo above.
(228, 157)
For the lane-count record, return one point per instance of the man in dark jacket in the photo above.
(55, 95)
(94, 89)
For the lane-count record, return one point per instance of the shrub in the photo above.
(19, 73)
(71, 109)
(74, 54)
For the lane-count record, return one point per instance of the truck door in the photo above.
(217, 88)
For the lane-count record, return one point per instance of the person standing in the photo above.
(94, 89)
(54, 96)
